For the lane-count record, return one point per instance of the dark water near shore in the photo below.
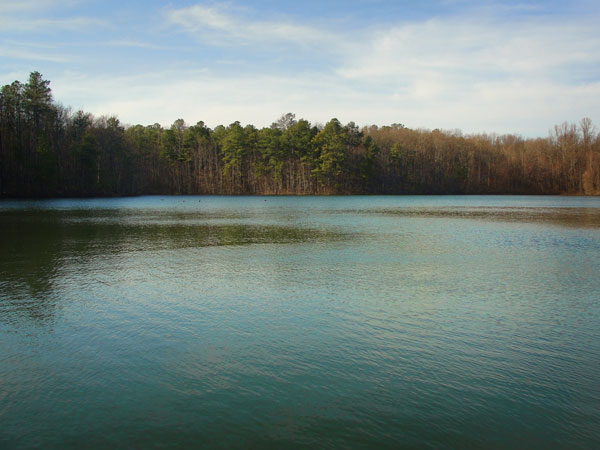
(324, 322)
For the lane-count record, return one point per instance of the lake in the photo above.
(296, 322)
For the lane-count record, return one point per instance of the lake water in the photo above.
(295, 322)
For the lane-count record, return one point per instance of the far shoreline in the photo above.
(108, 196)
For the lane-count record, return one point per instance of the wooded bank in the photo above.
(46, 150)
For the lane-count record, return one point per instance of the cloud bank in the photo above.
(495, 69)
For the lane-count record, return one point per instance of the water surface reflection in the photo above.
(334, 322)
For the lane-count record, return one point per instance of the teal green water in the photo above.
(295, 322)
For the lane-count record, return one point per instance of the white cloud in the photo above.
(474, 48)
(11, 43)
(200, 95)
(25, 5)
(31, 15)
(134, 44)
(481, 72)
(220, 25)
(260, 99)
(25, 54)
(32, 24)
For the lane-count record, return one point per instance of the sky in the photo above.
(479, 66)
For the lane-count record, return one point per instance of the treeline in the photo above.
(47, 151)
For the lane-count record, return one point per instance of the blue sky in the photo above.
(478, 66)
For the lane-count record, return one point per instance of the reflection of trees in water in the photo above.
(44, 251)
(567, 217)
(31, 245)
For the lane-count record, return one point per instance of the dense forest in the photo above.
(46, 150)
